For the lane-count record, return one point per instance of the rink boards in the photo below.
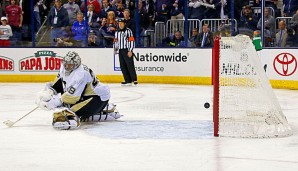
(174, 66)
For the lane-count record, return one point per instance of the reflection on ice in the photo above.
(153, 129)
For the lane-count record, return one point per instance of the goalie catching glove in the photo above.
(43, 96)
(48, 99)
(49, 102)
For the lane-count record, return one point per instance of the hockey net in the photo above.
(244, 103)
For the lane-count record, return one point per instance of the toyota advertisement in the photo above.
(281, 63)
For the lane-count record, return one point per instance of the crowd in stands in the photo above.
(74, 23)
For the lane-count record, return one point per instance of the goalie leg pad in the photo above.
(65, 119)
(103, 116)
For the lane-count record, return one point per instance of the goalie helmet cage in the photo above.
(244, 104)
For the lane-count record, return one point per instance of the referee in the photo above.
(125, 42)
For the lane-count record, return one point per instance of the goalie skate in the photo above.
(65, 119)
(111, 107)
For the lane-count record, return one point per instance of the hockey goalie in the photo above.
(76, 96)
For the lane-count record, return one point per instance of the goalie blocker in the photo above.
(77, 89)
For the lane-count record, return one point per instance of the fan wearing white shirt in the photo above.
(5, 32)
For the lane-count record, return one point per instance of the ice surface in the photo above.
(164, 128)
(155, 129)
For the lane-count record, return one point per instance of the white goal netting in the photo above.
(248, 106)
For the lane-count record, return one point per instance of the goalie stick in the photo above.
(10, 123)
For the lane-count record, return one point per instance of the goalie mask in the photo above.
(71, 61)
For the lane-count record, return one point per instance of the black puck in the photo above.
(206, 105)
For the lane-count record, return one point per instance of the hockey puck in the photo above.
(206, 105)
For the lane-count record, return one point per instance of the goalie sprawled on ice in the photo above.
(76, 95)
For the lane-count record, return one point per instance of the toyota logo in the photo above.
(285, 64)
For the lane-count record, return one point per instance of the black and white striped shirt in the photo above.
(124, 39)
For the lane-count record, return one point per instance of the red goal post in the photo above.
(215, 82)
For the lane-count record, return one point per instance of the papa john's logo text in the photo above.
(6, 64)
(43, 61)
(285, 64)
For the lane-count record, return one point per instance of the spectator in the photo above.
(291, 42)
(173, 41)
(269, 24)
(289, 7)
(26, 33)
(148, 9)
(92, 39)
(224, 9)
(38, 8)
(163, 10)
(100, 2)
(176, 13)
(79, 31)
(114, 4)
(131, 6)
(96, 4)
(108, 29)
(120, 10)
(93, 19)
(4, 4)
(269, 27)
(196, 11)
(14, 15)
(58, 19)
(281, 35)
(79, 2)
(272, 4)
(106, 7)
(131, 24)
(294, 22)
(73, 9)
(63, 42)
(144, 17)
(5, 32)
(193, 40)
(294, 25)
(48, 3)
(238, 7)
(268, 3)
(248, 19)
(144, 23)
(205, 38)
(212, 13)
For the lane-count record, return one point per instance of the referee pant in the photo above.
(127, 66)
